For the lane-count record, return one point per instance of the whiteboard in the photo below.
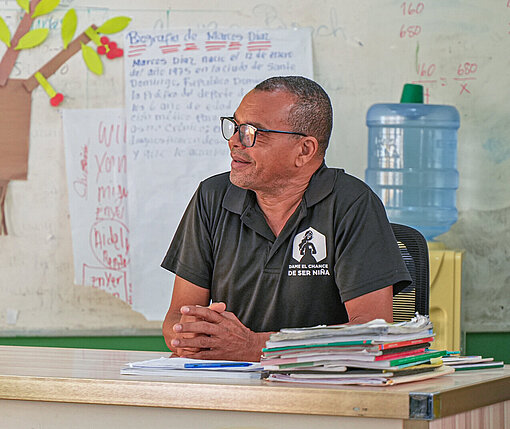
(363, 52)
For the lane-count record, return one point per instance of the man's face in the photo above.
(269, 164)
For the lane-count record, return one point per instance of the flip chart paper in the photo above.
(178, 83)
(96, 163)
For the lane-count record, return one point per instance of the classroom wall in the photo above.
(364, 51)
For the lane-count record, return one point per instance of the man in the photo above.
(281, 240)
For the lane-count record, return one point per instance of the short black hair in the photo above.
(312, 113)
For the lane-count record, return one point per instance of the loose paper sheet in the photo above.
(178, 83)
(96, 162)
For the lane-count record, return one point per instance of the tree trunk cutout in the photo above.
(15, 108)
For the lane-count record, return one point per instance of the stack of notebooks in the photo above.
(374, 353)
(467, 363)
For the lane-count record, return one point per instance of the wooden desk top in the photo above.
(93, 377)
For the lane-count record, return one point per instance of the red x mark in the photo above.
(464, 86)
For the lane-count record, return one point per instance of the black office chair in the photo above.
(415, 297)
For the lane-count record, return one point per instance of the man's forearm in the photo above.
(374, 305)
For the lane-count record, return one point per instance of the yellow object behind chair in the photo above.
(445, 296)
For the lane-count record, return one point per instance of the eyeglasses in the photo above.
(247, 132)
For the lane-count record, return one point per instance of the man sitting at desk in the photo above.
(281, 240)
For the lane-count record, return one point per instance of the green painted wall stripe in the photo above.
(147, 343)
(487, 344)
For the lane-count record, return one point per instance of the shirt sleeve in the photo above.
(367, 254)
(190, 253)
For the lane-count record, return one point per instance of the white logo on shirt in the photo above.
(309, 246)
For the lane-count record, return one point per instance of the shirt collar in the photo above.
(235, 198)
(321, 185)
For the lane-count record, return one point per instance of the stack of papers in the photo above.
(183, 367)
(374, 353)
(464, 363)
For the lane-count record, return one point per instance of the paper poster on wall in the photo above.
(96, 163)
(178, 83)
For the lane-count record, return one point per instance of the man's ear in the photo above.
(308, 148)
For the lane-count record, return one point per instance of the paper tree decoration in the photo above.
(15, 94)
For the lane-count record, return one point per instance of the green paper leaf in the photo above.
(114, 25)
(24, 4)
(5, 34)
(92, 59)
(92, 35)
(44, 7)
(69, 24)
(32, 39)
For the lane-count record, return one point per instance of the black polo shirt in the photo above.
(336, 246)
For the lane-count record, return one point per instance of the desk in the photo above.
(81, 388)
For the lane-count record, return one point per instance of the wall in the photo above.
(364, 51)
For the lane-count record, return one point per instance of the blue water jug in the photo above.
(412, 164)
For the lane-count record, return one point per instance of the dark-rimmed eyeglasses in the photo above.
(247, 132)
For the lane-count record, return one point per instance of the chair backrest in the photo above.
(415, 297)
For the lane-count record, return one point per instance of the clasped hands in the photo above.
(214, 333)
